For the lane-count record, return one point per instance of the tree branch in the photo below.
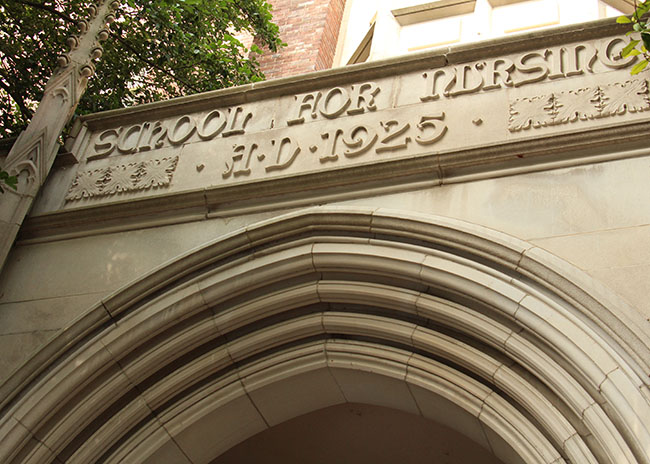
(49, 9)
(24, 110)
(151, 63)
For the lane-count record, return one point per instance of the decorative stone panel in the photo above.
(579, 105)
(122, 178)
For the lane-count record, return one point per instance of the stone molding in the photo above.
(445, 56)
(559, 365)
(432, 10)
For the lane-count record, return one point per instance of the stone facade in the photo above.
(459, 236)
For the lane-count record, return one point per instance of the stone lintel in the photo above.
(520, 104)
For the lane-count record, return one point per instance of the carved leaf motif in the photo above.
(27, 155)
(574, 105)
(120, 179)
(156, 173)
(530, 112)
(582, 104)
(599, 101)
(86, 184)
(631, 96)
(63, 85)
(123, 178)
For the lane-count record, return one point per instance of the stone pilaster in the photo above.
(32, 155)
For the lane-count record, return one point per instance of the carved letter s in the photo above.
(105, 147)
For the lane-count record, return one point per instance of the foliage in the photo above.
(8, 181)
(157, 49)
(641, 26)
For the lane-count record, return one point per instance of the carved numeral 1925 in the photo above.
(395, 136)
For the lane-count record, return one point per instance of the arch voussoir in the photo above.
(346, 305)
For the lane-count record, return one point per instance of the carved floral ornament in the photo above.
(579, 105)
(122, 178)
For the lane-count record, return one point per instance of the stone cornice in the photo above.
(439, 57)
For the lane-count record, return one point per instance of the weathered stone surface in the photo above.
(454, 242)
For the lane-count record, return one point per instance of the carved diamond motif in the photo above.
(119, 179)
(156, 173)
(86, 184)
(574, 105)
(630, 96)
(530, 112)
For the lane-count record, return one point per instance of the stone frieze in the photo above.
(430, 112)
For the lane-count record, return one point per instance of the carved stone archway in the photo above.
(474, 329)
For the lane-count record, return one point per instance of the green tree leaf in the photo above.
(7, 180)
(157, 49)
(645, 36)
(628, 48)
(640, 66)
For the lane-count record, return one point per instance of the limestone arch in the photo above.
(530, 350)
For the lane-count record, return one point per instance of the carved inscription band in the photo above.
(347, 134)
(389, 136)
(150, 136)
(528, 68)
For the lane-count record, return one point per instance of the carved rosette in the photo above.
(155, 173)
(122, 178)
(579, 105)
(87, 184)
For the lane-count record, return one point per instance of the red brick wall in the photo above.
(310, 28)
